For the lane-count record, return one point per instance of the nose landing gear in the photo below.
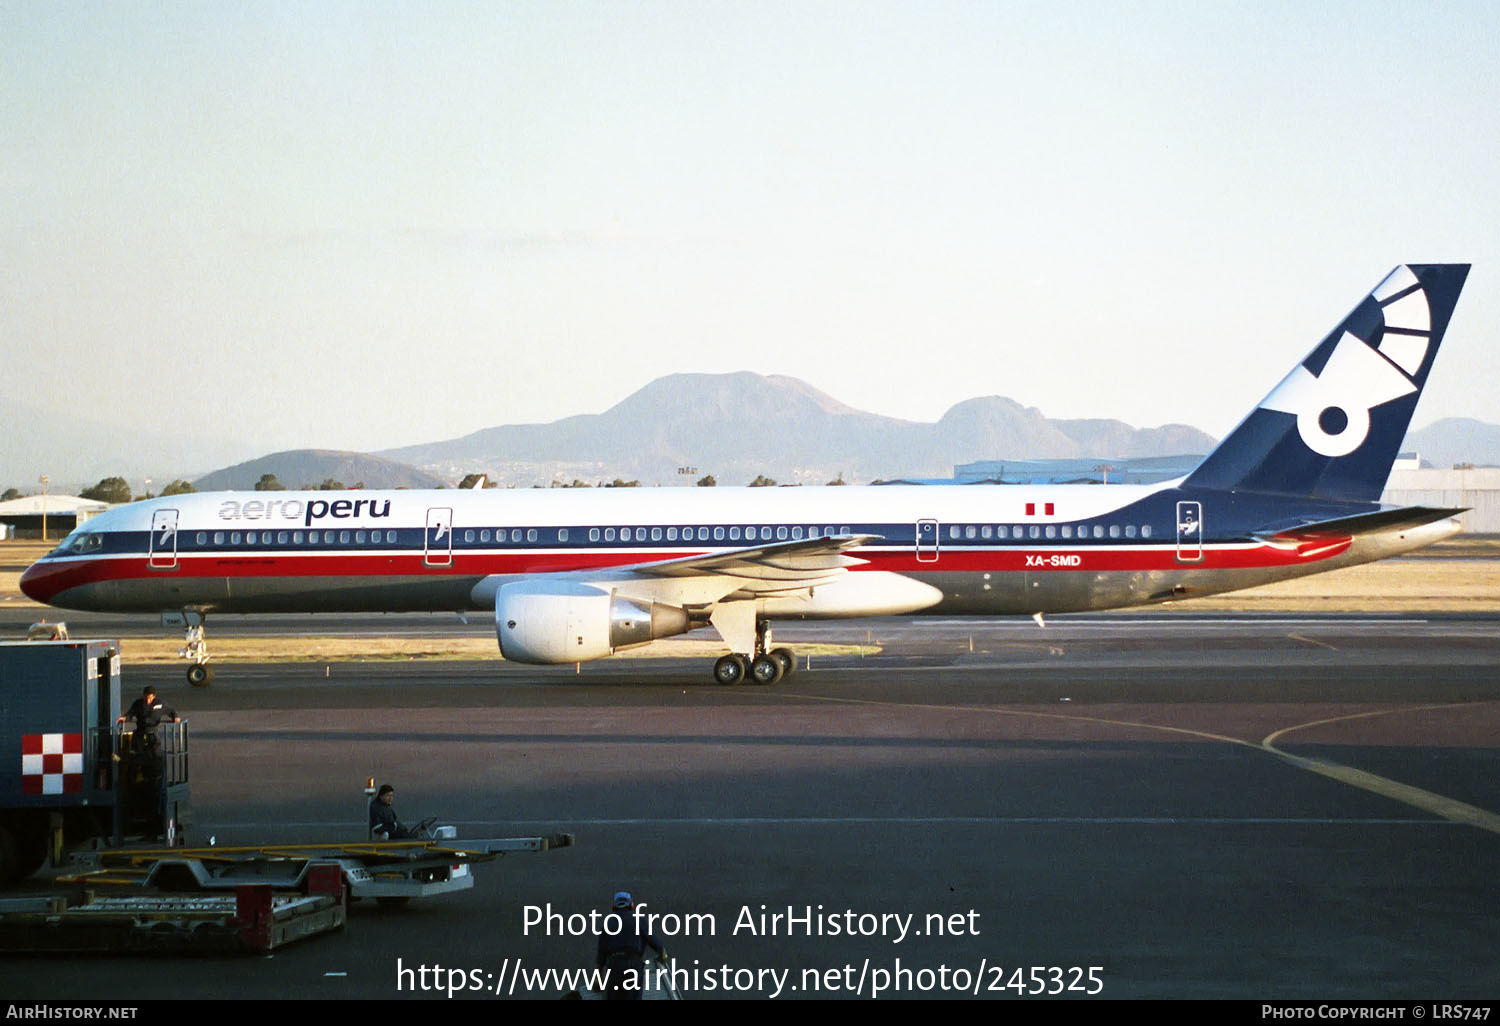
(194, 645)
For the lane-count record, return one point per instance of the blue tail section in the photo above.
(1333, 426)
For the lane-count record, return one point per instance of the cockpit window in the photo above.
(83, 542)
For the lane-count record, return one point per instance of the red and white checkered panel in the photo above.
(51, 763)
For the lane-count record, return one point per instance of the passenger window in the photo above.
(484, 535)
(986, 532)
(359, 536)
(1145, 530)
(218, 537)
(296, 537)
(971, 532)
(734, 533)
(656, 534)
(343, 537)
(469, 536)
(531, 534)
(703, 534)
(202, 538)
(1036, 532)
(796, 533)
(718, 534)
(280, 537)
(1130, 530)
(1067, 530)
(562, 534)
(1114, 530)
(1051, 531)
(671, 534)
(234, 538)
(781, 534)
(609, 534)
(1098, 530)
(515, 535)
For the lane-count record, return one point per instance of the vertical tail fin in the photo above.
(1333, 426)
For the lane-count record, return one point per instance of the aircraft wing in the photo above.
(719, 588)
(799, 562)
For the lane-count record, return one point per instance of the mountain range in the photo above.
(674, 430)
(1456, 440)
(738, 426)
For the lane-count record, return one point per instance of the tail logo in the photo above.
(1333, 406)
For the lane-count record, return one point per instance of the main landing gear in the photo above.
(766, 665)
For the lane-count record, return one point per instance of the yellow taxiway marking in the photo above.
(1311, 641)
(1438, 805)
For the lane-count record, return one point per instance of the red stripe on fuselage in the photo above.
(47, 579)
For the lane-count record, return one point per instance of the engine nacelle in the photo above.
(560, 622)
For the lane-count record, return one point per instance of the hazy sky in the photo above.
(359, 225)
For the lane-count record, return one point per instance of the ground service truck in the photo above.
(68, 776)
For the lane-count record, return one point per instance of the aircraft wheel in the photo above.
(200, 675)
(765, 670)
(787, 658)
(729, 669)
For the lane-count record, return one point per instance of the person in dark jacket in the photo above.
(148, 711)
(625, 950)
(384, 824)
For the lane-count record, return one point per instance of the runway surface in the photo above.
(1200, 806)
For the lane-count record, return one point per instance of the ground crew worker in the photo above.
(148, 711)
(625, 950)
(384, 824)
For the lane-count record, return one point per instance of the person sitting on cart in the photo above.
(384, 824)
(625, 950)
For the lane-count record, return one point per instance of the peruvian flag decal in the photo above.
(51, 763)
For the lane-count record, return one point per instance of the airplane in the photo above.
(576, 575)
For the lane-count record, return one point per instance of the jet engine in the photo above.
(561, 622)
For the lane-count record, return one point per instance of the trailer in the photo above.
(255, 918)
(71, 777)
(389, 871)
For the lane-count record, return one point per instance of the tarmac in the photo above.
(1159, 806)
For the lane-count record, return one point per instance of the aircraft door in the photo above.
(437, 549)
(927, 541)
(163, 552)
(1189, 532)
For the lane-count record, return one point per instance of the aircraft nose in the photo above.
(33, 582)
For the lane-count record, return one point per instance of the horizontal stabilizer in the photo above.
(1361, 523)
